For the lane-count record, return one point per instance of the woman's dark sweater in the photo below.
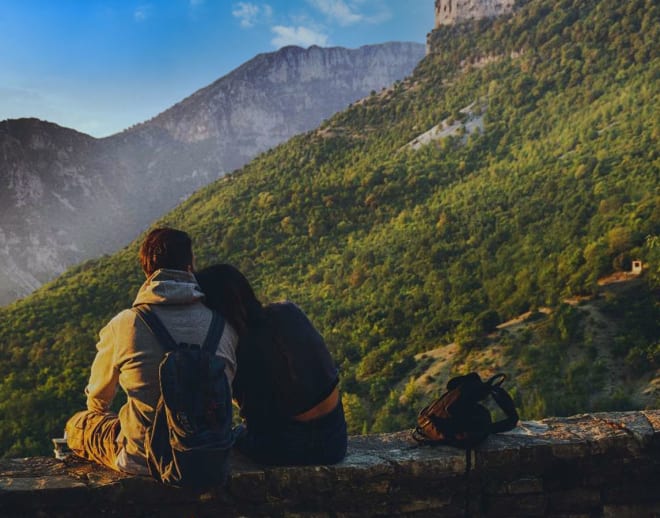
(284, 366)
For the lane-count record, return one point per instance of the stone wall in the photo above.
(588, 465)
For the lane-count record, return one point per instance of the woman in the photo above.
(286, 382)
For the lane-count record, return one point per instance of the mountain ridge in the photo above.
(211, 132)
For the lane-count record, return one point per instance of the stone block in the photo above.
(571, 450)
(631, 511)
(574, 500)
(506, 506)
(653, 417)
(249, 486)
(633, 493)
(562, 474)
(524, 486)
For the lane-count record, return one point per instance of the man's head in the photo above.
(166, 248)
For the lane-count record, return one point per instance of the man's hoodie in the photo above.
(128, 355)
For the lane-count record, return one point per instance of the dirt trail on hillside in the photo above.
(435, 367)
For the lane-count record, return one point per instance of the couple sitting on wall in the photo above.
(277, 364)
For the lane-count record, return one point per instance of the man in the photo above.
(129, 356)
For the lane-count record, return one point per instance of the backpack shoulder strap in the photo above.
(214, 333)
(504, 401)
(155, 326)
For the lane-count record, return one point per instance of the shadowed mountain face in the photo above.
(67, 197)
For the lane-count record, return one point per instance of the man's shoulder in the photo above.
(118, 324)
(123, 318)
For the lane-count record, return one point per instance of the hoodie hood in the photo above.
(169, 287)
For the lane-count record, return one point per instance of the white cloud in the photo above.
(301, 36)
(251, 14)
(338, 10)
(142, 13)
(349, 12)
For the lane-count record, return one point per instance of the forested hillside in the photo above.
(395, 251)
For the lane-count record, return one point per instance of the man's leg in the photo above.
(94, 437)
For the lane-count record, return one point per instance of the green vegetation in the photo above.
(393, 252)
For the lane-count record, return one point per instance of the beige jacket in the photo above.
(129, 356)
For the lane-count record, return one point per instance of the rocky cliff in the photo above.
(67, 197)
(52, 188)
(449, 12)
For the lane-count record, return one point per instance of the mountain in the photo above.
(69, 197)
(511, 175)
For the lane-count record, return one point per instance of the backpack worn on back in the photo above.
(190, 438)
(457, 418)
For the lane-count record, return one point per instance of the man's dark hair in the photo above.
(166, 248)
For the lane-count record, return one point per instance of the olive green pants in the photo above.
(93, 437)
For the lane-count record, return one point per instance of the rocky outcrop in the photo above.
(53, 198)
(587, 465)
(277, 95)
(67, 197)
(449, 12)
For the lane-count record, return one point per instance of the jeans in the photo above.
(288, 442)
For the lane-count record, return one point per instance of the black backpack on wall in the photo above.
(458, 418)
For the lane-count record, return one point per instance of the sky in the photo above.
(100, 66)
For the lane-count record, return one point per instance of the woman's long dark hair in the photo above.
(229, 292)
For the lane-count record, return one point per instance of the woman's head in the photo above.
(229, 292)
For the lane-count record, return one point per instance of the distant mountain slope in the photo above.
(395, 251)
(51, 192)
(274, 96)
(69, 197)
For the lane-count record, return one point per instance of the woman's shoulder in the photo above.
(283, 306)
(285, 311)
(286, 314)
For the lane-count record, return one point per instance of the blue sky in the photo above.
(100, 66)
